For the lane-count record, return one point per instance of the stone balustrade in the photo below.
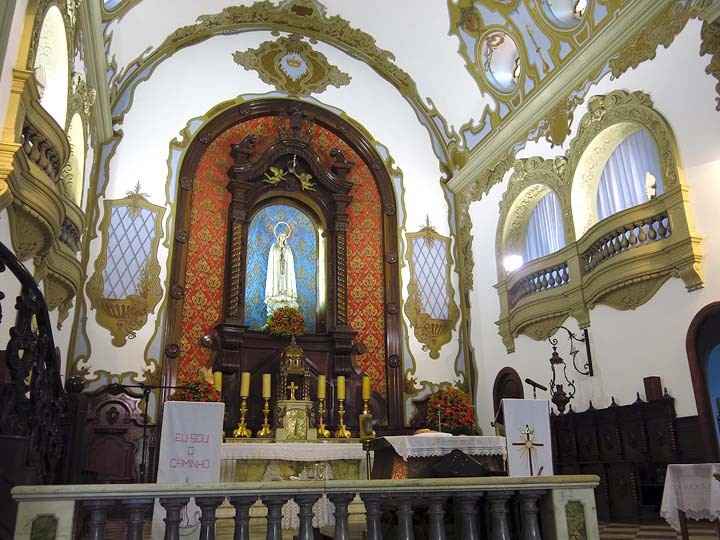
(551, 277)
(628, 236)
(498, 508)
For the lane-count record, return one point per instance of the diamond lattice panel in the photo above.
(131, 234)
(430, 262)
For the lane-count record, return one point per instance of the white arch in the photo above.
(51, 65)
(76, 180)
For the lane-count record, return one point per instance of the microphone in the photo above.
(536, 385)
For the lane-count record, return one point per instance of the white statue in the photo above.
(280, 286)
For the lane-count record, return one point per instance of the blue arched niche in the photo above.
(304, 244)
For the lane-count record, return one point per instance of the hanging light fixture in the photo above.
(562, 392)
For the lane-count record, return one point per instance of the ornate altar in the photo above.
(286, 189)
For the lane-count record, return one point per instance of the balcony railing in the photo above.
(626, 237)
(541, 280)
(620, 261)
(497, 508)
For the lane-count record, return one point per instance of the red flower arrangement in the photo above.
(202, 390)
(457, 415)
(286, 321)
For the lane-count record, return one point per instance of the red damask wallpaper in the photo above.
(206, 250)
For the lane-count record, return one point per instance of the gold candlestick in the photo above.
(265, 431)
(342, 431)
(242, 431)
(322, 431)
(366, 406)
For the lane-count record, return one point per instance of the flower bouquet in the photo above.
(452, 409)
(286, 321)
(200, 390)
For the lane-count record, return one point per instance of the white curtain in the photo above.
(628, 177)
(545, 232)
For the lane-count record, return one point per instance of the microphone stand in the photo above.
(146, 390)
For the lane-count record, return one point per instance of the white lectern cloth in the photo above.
(535, 414)
(189, 453)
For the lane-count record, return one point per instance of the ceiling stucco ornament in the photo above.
(662, 30)
(711, 45)
(292, 66)
(304, 17)
(513, 48)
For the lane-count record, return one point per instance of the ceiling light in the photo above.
(512, 262)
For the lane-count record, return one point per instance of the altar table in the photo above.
(270, 461)
(418, 456)
(691, 491)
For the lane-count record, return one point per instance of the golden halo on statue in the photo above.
(289, 229)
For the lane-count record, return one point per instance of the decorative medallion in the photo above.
(292, 66)
(126, 285)
(430, 305)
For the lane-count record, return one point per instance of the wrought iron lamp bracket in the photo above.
(587, 369)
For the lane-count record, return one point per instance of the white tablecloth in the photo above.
(323, 510)
(424, 446)
(692, 489)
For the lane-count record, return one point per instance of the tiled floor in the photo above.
(655, 531)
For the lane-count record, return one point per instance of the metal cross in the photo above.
(292, 387)
(529, 444)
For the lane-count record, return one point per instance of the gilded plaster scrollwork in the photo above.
(430, 306)
(292, 66)
(620, 261)
(127, 290)
(662, 30)
(711, 45)
(82, 98)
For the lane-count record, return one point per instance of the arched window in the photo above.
(75, 179)
(545, 232)
(51, 65)
(631, 176)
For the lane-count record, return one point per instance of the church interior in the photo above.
(360, 269)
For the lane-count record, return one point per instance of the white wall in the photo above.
(626, 346)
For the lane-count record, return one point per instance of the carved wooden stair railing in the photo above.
(33, 404)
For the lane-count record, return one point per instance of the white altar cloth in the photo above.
(415, 446)
(323, 510)
(692, 489)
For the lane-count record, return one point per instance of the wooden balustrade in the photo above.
(626, 237)
(542, 280)
(498, 508)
